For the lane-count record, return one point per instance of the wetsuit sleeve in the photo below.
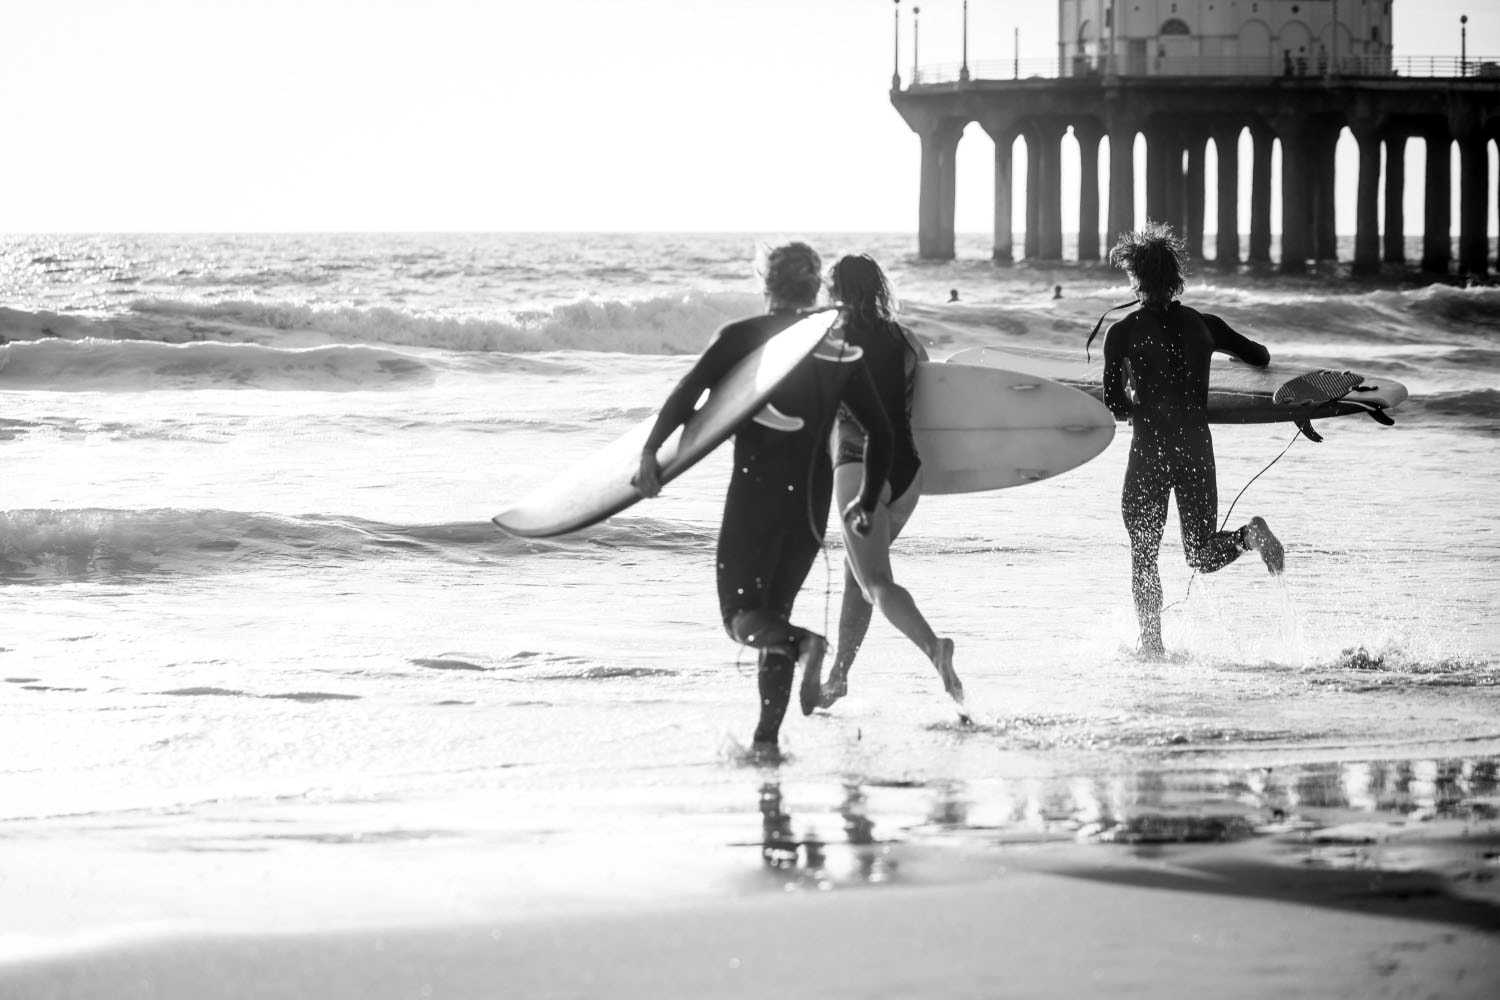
(712, 365)
(1227, 340)
(917, 347)
(1116, 349)
(863, 402)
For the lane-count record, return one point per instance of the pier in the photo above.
(1455, 110)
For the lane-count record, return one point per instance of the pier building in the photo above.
(1177, 75)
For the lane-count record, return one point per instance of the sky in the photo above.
(519, 115)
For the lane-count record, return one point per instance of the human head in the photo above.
(1155, 260)
(792, 274)
(858, 282)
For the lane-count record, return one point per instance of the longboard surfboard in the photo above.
(599, 486)
(1237, 393)
(979, 428)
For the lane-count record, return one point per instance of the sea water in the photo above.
(253, 596)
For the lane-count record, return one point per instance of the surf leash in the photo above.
(1225, 523)
(1095, 332)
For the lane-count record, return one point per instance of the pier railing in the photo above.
(1399, 67)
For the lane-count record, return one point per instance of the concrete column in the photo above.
(1473, 206)
(1033, 193)
(1004, 251)
(1088, 190)
(1366, 213)
(1437, 246)
(1227, 242)
(1051, 190)
(1156, 175)
(1296, 198)
(1325, 236)
(1175, 179)
(935, 214)
(1121, 181)
(1195, 198)
(1395, 194)
(1260, 194)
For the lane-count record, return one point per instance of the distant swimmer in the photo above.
(891, 352)
(953, 295)
(1056, 292)
(1156, 367)
(781, 486)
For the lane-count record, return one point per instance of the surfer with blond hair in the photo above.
(891, 352)
(1156, 367)
(781, 486)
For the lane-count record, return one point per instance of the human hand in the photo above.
(857, 518)
(648, 477)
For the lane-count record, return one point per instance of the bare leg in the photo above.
(869, 562)
(854, 623)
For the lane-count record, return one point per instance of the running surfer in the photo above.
(1156, 369)
(891, 352)
(776, 507)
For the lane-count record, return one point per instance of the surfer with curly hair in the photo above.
(1156, 367)
(891, 352)
(776, 506)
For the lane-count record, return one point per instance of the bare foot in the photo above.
(810, 658)
(944, 665)
(1258, 536)
(834, 688)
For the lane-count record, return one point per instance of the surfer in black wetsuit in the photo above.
(891, 353)
(1156, 365)
(776, 509)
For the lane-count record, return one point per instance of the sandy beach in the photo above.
(1327, 904)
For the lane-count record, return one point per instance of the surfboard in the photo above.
(599, 486)
(1237, 393)
(982, 428)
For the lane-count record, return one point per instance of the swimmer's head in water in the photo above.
(858, 282)
(1155, 260)
(792, 274)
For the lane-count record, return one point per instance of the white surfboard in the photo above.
(599, 486)
(979, 428)
(1237, 393)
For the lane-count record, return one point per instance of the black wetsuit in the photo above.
(776, 508)
(891, 361)
(1171, 450)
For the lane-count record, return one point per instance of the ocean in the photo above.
(259, 629)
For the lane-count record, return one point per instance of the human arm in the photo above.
(1227, 340)
(1116, 352)
(680, 404)
(915, 342)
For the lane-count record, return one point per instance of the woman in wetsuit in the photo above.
(776, 508)
(891, 353)
(1156, 364)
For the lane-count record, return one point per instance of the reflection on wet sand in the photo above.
(807, 860)
(1368, 834)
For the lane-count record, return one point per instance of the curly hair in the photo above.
(1156, 261)
(792, 274)
(857, 281)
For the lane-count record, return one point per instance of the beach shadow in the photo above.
(1410, 895)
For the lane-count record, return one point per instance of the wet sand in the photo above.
(1332, 903)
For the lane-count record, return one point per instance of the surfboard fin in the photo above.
(1306, 427)
(1381, 417)
(773, 418)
